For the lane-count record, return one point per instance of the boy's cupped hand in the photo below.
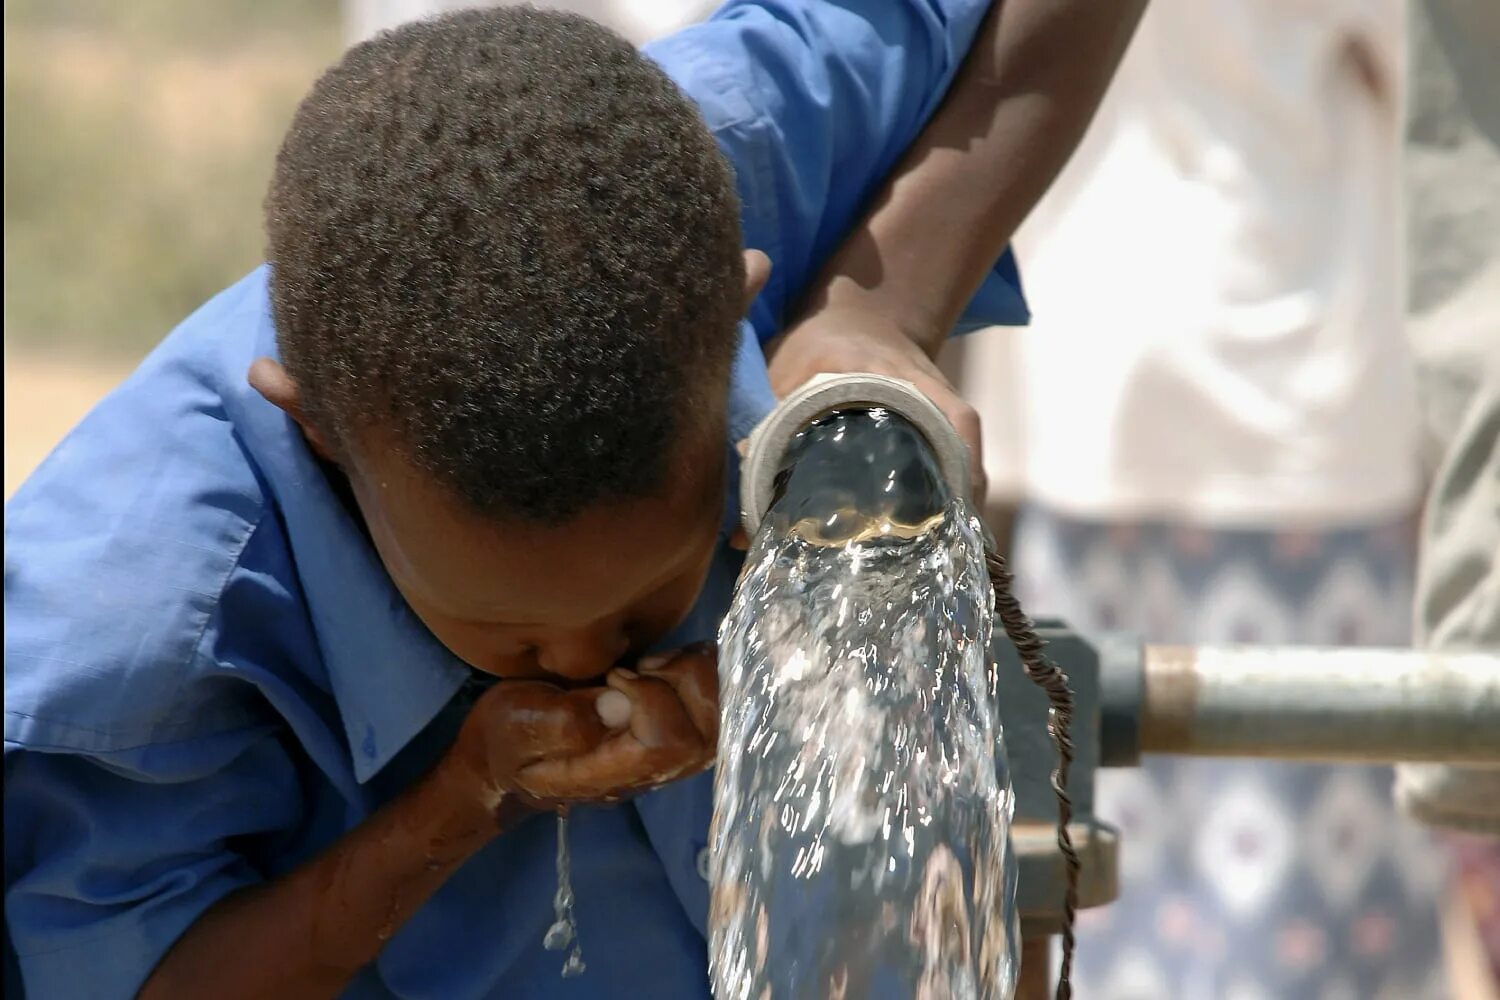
(642, 728)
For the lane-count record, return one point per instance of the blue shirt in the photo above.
(209, 677)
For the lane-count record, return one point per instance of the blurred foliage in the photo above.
(139, 137)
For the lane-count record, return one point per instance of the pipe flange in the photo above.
(825, 394)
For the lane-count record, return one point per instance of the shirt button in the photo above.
(703, 864)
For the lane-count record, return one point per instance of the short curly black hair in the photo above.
(507, 237)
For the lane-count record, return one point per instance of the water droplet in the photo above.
(559, 936)
(564, 928)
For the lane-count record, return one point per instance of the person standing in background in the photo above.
(1453, 230)
(640, 21)
(1214, 430)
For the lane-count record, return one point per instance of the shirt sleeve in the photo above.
(813, 103)
(110, 858)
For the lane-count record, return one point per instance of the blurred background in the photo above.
(139, 138)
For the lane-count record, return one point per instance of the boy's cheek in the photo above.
(480, 650)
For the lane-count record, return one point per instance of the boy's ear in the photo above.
(757, 273)
(268, 378)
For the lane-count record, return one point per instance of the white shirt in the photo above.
(1216, 282)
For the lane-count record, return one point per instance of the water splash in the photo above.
(862, 802)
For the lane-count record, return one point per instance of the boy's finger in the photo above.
(613, 708)
(694, 676)
(658, 718)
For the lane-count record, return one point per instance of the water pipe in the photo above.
(825, 459)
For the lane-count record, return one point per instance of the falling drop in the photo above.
(564, 929)
(559, 936)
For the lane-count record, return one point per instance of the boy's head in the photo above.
(506, 275)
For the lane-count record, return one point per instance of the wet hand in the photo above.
(640, 729)
(836, 340)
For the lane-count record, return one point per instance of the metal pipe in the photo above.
(845, 465)
(1322, 704)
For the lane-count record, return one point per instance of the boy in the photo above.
(495, 369)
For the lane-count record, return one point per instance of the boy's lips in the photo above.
(574, 683)
(567, 683)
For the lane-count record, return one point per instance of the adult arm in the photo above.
(813, 104)
(1016, 112)
(892, 292)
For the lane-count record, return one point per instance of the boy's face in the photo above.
(516, 600)
(556, 603)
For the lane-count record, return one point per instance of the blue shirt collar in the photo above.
(387, 673)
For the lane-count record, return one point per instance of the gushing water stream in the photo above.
(862, 803)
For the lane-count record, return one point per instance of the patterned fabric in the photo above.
(1247, 880)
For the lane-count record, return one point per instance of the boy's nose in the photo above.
(583, 657)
